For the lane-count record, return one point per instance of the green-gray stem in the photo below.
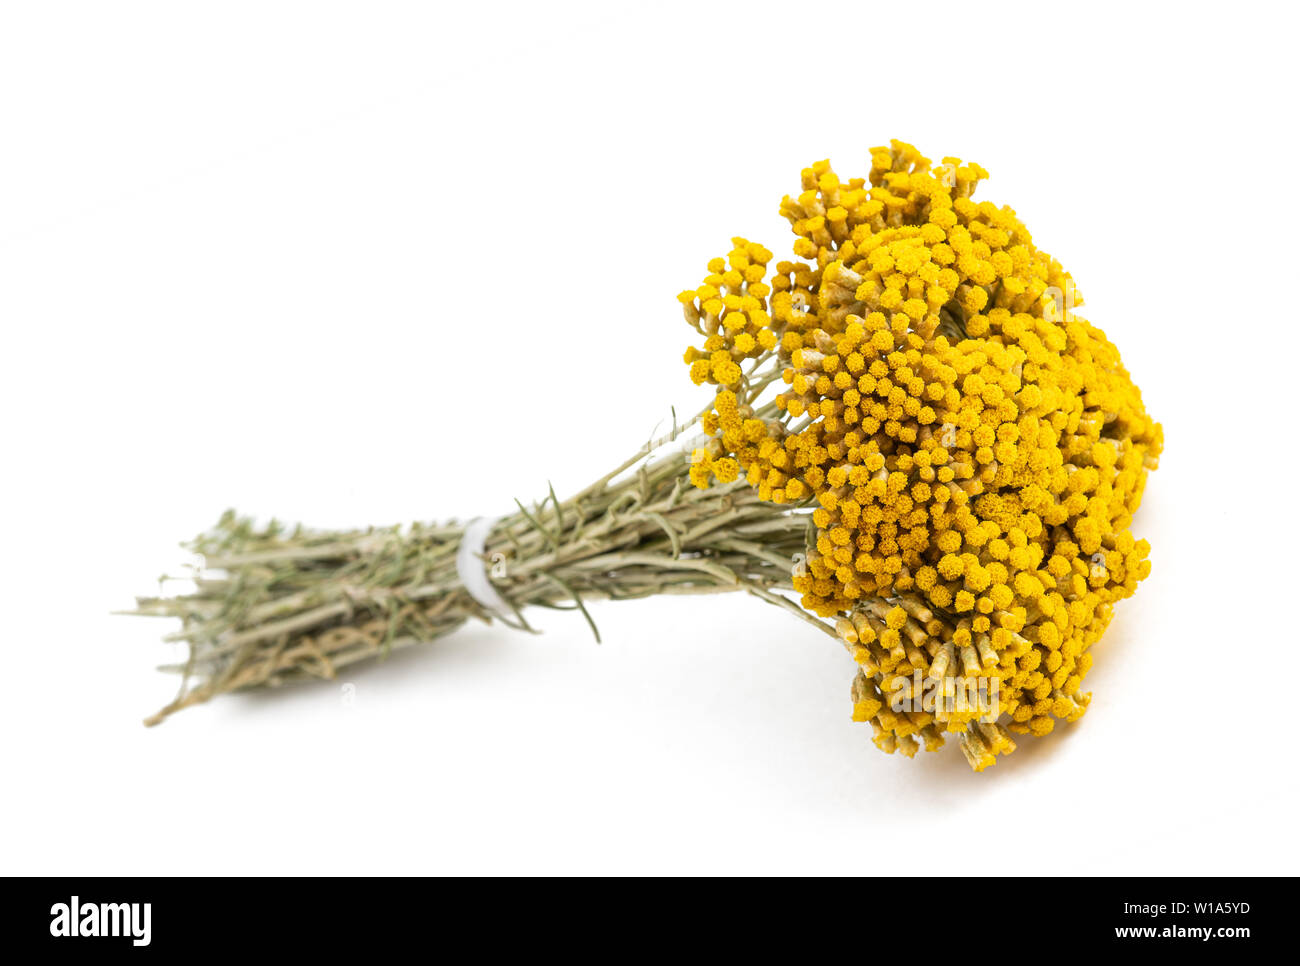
(271, 606)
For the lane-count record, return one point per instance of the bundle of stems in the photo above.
(271, 604)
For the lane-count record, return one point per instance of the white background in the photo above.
(368, 263)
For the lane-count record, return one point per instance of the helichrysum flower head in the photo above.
(973, 449)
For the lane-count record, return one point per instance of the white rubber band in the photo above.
(472, 569)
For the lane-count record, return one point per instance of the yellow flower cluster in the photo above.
(974, 450)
